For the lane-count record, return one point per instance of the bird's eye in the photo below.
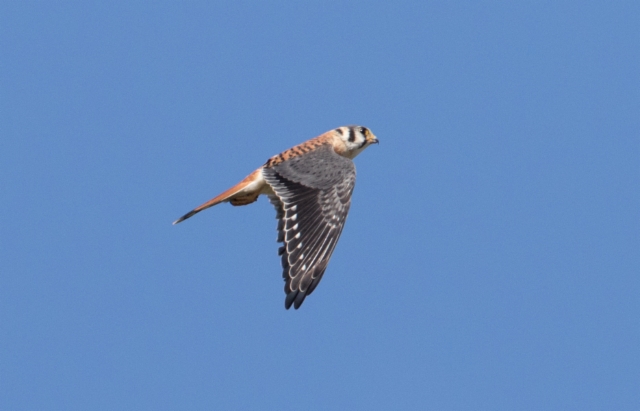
(363, 130)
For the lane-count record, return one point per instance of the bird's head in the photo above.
(349, 141)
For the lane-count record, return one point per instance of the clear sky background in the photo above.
(491, 258)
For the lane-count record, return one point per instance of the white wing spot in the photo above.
(294, 208)
(299, 245)
(297, 235)
(295, 227)
(301, 257)
(304, 267)
(293, 217)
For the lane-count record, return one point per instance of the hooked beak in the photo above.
(373, 139)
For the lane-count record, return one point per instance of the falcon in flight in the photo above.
(310, 186)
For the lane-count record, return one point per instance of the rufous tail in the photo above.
(237, 194)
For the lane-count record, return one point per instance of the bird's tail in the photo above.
(245, 192)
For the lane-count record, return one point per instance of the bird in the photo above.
(310, 186)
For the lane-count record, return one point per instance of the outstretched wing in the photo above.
(312, 199)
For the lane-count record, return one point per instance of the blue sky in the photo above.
(490, 259)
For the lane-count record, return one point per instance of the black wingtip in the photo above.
(295, 298)
(289, 299)
(299, 299)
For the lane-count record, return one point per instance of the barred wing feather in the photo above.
(312, 195)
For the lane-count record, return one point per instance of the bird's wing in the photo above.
(312, 195)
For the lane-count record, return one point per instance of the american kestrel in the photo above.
(310, 186)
